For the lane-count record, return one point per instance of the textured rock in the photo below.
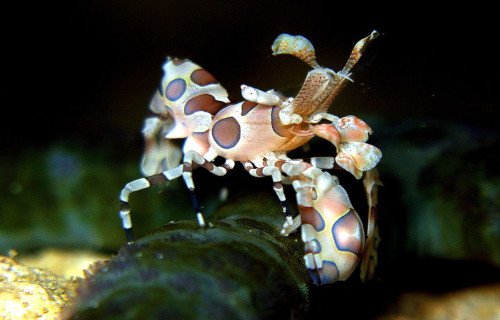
(31, 293)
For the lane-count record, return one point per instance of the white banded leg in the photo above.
(191, 158)
(139, 184)
(298, 170)
(272, 170)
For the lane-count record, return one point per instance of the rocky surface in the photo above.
(32, 293)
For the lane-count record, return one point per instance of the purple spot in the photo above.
(203, 102)
(175, 89)
(347, 232)
(226, 132)
(202, 77)
(313, 217)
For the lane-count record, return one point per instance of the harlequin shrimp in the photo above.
(258, 132)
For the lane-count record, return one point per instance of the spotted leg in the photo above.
(139, 184)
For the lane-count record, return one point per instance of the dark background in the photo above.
(89, 68)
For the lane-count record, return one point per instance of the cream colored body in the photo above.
(257, 136)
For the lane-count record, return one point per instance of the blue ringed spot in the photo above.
(175, 89)
(347, 233)
(313, 217)
(203, 102)
(226, 132)
(320, 221)
(202, 77)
